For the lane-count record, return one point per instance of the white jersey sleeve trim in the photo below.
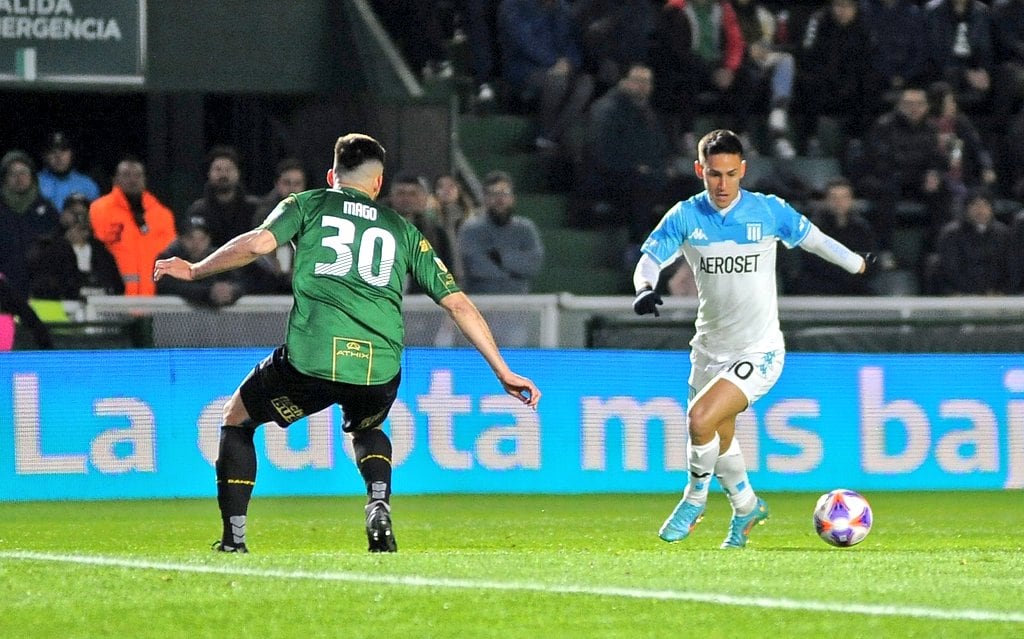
(646, 273)
(830, 249)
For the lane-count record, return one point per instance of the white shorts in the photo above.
(753, 373)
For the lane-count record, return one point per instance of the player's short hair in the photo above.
(355, 149)
(719, 141)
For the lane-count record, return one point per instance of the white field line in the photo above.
(920, 612)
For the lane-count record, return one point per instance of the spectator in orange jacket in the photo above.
(134, 226)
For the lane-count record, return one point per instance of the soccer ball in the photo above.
(842, 517)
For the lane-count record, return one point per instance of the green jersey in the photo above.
(352, 257)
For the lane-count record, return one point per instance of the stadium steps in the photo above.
(576, 261)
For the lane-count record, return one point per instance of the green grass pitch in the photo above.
(936, 564)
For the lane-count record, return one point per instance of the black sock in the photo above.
(373, 457)
(236, 476)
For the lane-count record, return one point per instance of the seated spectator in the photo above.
(225, 206)
(969, 162)
(290, 177)
(973, 253)
(541, 61)
(838, 220)
(409, 196)
(1008, 94)
(627, 160)
(72, 263)
(833, 78)
(26, 217)
(898, 54)
(193, 244)
(902, 161)
(134, 226)
(59, 179)
(770, 67)
(501, 251)
(615, 35)
(697, 47)
(960, 43)
(453, 206)
(15, 305)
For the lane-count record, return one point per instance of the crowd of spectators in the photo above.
(920, 101)
(927, 99)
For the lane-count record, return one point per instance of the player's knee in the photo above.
(700, 423)
(234, 411)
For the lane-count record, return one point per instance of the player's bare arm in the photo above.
(472, 324)
(237, 252)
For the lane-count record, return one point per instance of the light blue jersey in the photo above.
(732, 254)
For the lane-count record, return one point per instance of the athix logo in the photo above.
(754, 232)
(698, 234)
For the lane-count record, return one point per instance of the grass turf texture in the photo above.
(935, 565)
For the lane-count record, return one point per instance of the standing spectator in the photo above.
(770, 67)
(959, 40)
(453, 207)
(833, 63)
(539, 42)
(902, 161)
(194, 244)
(59, 179)
(134, 225)
(628, 160)
(698, 47)
(502, 251)
(225, 207)
(1008, 96)
(974, 252)
(72, 263)
(290, 177)
(969, 162)
(898, 54)
(26, 217)
(840, 221)
(409, 195)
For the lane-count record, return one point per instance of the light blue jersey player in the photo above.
(729, 237)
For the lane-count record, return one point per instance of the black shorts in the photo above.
(275, 391)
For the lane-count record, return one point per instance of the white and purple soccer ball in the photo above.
(842, 517)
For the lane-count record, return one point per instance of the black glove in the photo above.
(647, 301)
(869, 260)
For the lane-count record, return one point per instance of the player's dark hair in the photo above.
(719, 141)
(353, 149)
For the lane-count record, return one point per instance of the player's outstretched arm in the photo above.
(830, 249)
(473, 325)
(237, 252)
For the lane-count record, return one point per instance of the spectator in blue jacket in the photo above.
(59, 179)
(539, 42)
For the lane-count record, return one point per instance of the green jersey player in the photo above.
(345, 330)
